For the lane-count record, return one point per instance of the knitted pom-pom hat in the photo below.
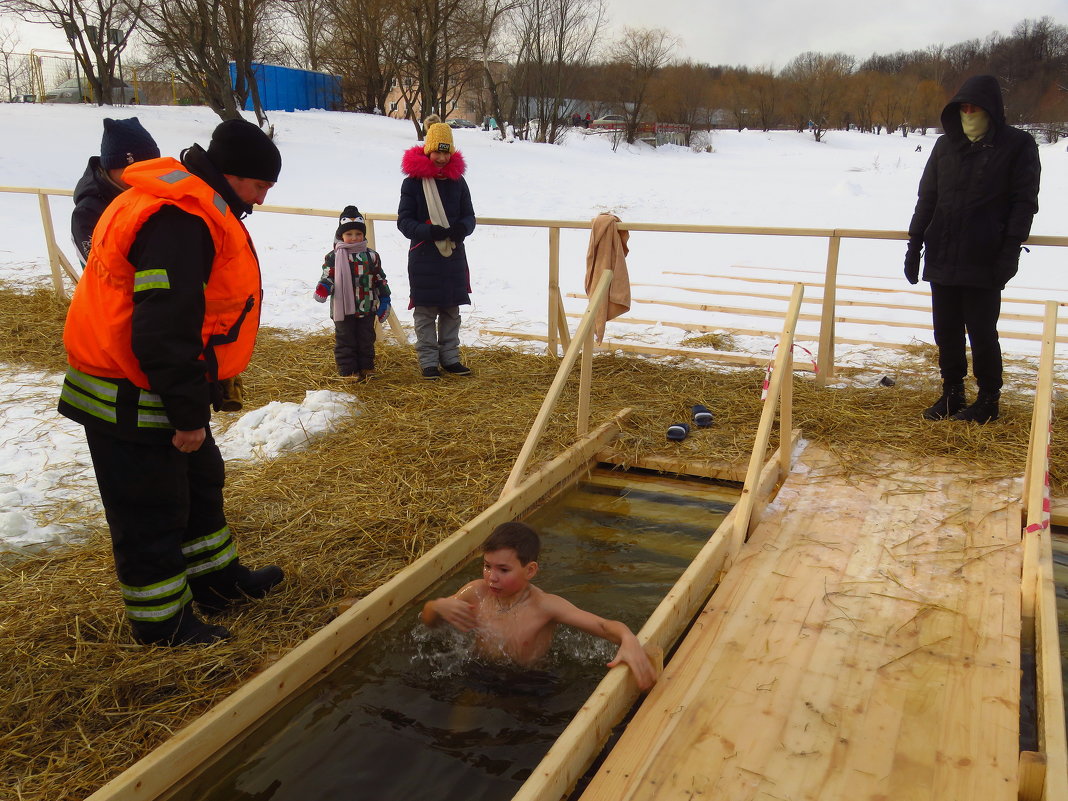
(438, 136)
(350, 220)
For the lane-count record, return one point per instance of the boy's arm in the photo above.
(630, 650)
(459, 610)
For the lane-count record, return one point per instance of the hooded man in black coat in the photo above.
(977, 197)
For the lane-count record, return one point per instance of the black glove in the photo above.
(438, 232)
(1008, 264)
(457, 233)
(912, 263)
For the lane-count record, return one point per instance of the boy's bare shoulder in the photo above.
(472, 590)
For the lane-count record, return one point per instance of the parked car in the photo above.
(610, 120)
(23, 99)
(460, 123)
(78, 90)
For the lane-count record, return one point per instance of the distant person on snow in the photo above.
(436, 216)
(354, 283)
(977, 197)
(168, 304)
(124, 142)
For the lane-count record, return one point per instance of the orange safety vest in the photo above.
(98, 332)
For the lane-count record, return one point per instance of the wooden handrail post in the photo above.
(555, 315)
(786, 413)
(50, 244)
(370, 235)
(744, 507)
(597, 298)
(825, 359)
(1037, 465)
(582, 422)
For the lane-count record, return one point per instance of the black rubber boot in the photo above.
(983, 410)
(185, 628)
(219, 591)
(951, 402)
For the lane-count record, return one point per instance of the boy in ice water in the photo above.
(514, 619)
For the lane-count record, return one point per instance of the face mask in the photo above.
(975, 125)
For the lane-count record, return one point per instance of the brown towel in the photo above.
(608, 251)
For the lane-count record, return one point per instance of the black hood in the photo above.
(979, 90)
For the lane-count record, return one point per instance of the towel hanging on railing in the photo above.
(608, 251)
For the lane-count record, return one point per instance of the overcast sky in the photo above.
(759, 33)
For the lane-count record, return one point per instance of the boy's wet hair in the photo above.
(520, 537)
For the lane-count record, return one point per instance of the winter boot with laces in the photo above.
(951, 402)
(983, 410)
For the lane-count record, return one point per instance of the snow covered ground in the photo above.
(782, 179)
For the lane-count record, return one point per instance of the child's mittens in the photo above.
(322, 291)
(383, 308)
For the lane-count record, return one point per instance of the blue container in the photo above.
(288, 89)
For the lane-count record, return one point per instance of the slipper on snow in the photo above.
(701, 416)
(678, 431)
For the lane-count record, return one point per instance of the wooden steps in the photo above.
(865, 645)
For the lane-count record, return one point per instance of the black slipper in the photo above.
(701, 416)
(678, 431)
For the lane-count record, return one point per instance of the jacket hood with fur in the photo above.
(417, 164)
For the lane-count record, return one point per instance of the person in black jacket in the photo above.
(124, 142)
(977, 197)
(436, 215)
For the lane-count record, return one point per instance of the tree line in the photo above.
(543, 59)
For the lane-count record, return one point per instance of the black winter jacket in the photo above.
(976, 199)
(94, 191)
(435, 280)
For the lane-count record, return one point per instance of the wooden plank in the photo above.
(222, 727)
(705, 468)
(864, 645)
(608, 346)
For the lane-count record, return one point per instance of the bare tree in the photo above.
(554, 40)
(190, 35)
(365, 47)
(14, 67)
(97, 30)
(818, 85)
(439, 55)
(309, 20)
(637, 57)
(683, 94)
(487, 19)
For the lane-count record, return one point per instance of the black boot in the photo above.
(185, 628)
(983, 410)
(951, 402)
(219, 591)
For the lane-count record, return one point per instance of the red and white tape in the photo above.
(771, 366)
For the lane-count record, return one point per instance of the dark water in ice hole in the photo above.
(412, 716)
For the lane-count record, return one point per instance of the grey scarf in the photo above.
(344, 288)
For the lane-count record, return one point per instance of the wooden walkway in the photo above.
(865, 646)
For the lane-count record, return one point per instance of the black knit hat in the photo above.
(350, 220)
(124, 142)
(240, 148)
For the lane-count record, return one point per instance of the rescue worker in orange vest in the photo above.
(168, 306)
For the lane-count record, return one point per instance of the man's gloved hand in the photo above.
(912, 262)
(383, 308)
(438, 233)
(457, 233)
(1008, 264)
(233, 394)
(322, 291)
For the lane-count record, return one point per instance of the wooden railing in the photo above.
(1043, 775)
(558, 336)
